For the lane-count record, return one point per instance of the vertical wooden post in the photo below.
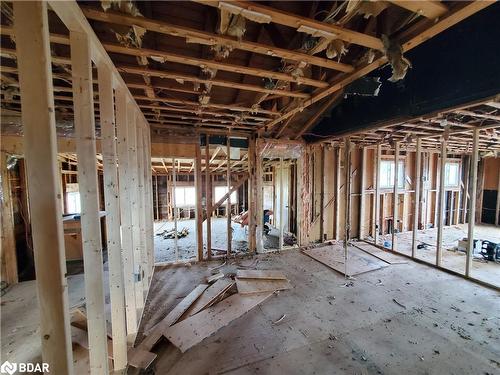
(174, 203)
(337, 194)
(81, 71)
(440, 204)
(282, 204)
(141, 208)
(377, 193)
(199, 209)
(260, 200)
(472, 201)
(208, 199)
(252, 189)
(157, 204)
(322, 196)
(148, 177)
(416, 206)
(395, 197)
(228, 202)
(111, 194)
(362, 195)
(8, 243)
(125, 195)
(40, 150)
(347, 190)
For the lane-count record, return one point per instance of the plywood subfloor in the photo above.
(385, 255)
(331, 328)
(358, 262)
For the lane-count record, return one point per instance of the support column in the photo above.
(8, 243)
(472, 201)
(416, 205)
(440, 204)
(252, 189)
(81, 71)
(141, 212)
(199, 210)
(376, 201)
(347, 190)
(395, 197)
(174, 203)
(149, 202)
(228, 202)
(125, 195)
(111, 194)
(337, 194)
(40, 151)
(322, 196)
(282, 223)
(208, 197)
(362, 195)
(134, 203)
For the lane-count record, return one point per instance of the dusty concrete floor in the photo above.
(20, 320)
(448, 325)
(451, 259)
(165, 248)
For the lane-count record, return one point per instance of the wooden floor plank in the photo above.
(252, 286)
(260, 274)
(380, 254)
(209, 297)
(195, 329)
(333, 257)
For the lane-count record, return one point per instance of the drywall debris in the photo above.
(336, 48)
(124, 6)
(366, 8)
(394, 53)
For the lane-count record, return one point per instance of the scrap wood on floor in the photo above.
(332, 256)
(383, 255)
(186, 334)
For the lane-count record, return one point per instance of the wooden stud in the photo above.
(208, 196)
(282, 206)
(252, 190)
(337, 194)
(125, 195)
(228, 202)
(134, 205)
(395, 196)
(141, 213)
(472, 201)
(111, 196)
(440, 204)
(347, 191)
(362, 194)
(199, 208)
(8, 243)
(81, 70)
(416, 205)
(377, 192)
(322, 195)
(40, 151)
(174, 203)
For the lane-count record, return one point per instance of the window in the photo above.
(185, 196)
(451, 174)
(386, 174)
(73, 202)
(220, 191)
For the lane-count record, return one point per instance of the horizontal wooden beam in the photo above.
(216, 82)
(207, 38)
(296, 21)
(429, 9)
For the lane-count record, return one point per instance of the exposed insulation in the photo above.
(336, 48)
(366, 8)
(122, 6)
(394, 54)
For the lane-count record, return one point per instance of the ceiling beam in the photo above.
(203, 37)
(296, 21)
(429, 9)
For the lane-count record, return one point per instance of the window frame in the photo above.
(459, 174)
(401, 176)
